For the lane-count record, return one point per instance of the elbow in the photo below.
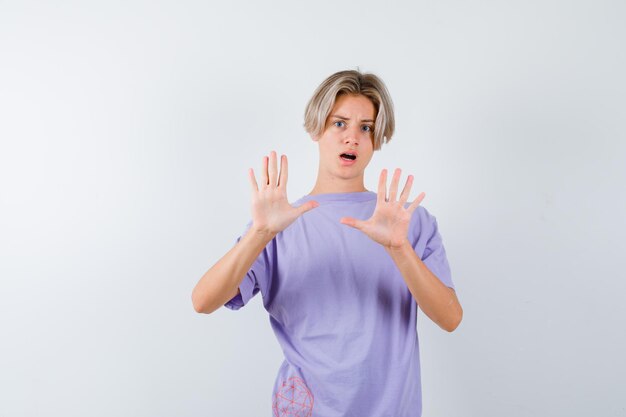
(453, 324)
(198, 306)
(198, 309)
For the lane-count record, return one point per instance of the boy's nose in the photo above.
(351, 137)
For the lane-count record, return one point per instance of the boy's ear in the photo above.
(315, 138)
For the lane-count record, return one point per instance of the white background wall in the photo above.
(126, 131)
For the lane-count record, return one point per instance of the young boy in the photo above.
(343, 269)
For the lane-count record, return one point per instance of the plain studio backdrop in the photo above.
(127, 129)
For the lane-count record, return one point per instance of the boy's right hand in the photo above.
(271, 212)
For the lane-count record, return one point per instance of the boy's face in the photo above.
(349, 127)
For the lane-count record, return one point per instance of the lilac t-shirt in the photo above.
(342, 312)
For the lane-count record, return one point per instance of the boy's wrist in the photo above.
(262, 232)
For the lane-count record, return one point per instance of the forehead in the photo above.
(354, 104)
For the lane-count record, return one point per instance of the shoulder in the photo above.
(423, 224)
(422, 216)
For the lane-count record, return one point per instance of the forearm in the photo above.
(220, 283)
(436, 300)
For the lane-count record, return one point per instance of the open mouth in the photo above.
(347, 156)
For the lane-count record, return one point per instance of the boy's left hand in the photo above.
(389, 224)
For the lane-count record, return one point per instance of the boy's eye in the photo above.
(341, 123)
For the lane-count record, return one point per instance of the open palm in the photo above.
(271, 211)
(389, 224)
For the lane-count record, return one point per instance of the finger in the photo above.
(406, 190)
(351, 221)
(252, 178)
(282, 179)
(382, 187)
(416, 202)
(309, 205)
(393, 188)
(264, 179)
(272, 169)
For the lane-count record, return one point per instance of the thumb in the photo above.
(309, 205)
(351, 221)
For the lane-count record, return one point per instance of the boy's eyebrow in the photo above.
(346, 118)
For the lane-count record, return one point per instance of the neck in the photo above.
(340, 186)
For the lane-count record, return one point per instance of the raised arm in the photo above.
(271, 213)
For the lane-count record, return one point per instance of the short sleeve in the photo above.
(257, 278)
(428, 244)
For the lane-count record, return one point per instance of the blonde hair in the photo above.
(351, 82)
